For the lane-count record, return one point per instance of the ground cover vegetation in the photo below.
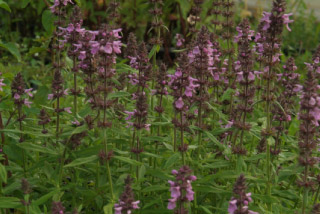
(159, 106)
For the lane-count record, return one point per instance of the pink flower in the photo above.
(16, 96)
(116, 33)
(180, 40)
(82, 55)
(130, 114)
(193, 178)
(116, 46)
(251, 76)
(117, 210)
(175, 192)
(297, 88)
(1, 84)
(68, 110)
(266, 20)
(286, 20)
(28, 92)
(107, 49)
(65, 92)
(172, 203)
(190, 193)
(147, 127)
(196, 50)
(179, 103)
(174, 172)
(239, 76)
(94, 45)
(135, 204)
(232, 206)
(312, 101)
(229, 124)
(76, 122)
(50, 96)
(27, 103)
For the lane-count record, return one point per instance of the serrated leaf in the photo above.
(81, 161)
(5, 6)
(12, 48)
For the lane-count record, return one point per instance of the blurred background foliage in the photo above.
(26, 26)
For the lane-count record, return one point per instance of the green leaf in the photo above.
(5, 6)
(9, 202)
(168, 146)
(78, 2)
(48, 21)
(227, 94)
(270, 141)
(214, 140)
(128, 160)
(142, 171)
(81, 161)
(24, 3)
(172, 160)
(159, 174)
(155, 49)
(45, 198)
(206, 210)
(3, 173)
(108, 209)
(12, 48)
(155, 188)
(36, 148)
(119, 94)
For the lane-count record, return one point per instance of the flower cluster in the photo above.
(245, 78)
(240, 201)
(181, 189)
(126, 202)
(161, 87)
(19, 94)
(57, 208)
(289, 79)
(309, 116)
(141, 80)
(44, 119)
(58, 4)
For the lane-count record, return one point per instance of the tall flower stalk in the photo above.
(273, 27)
(181, 190)
(73, 34)
(240, 201)
(309, 116)
(20, 96)
(183, 90)
(140, 113)
(245, 77)
(58, 9)
(282, 109)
